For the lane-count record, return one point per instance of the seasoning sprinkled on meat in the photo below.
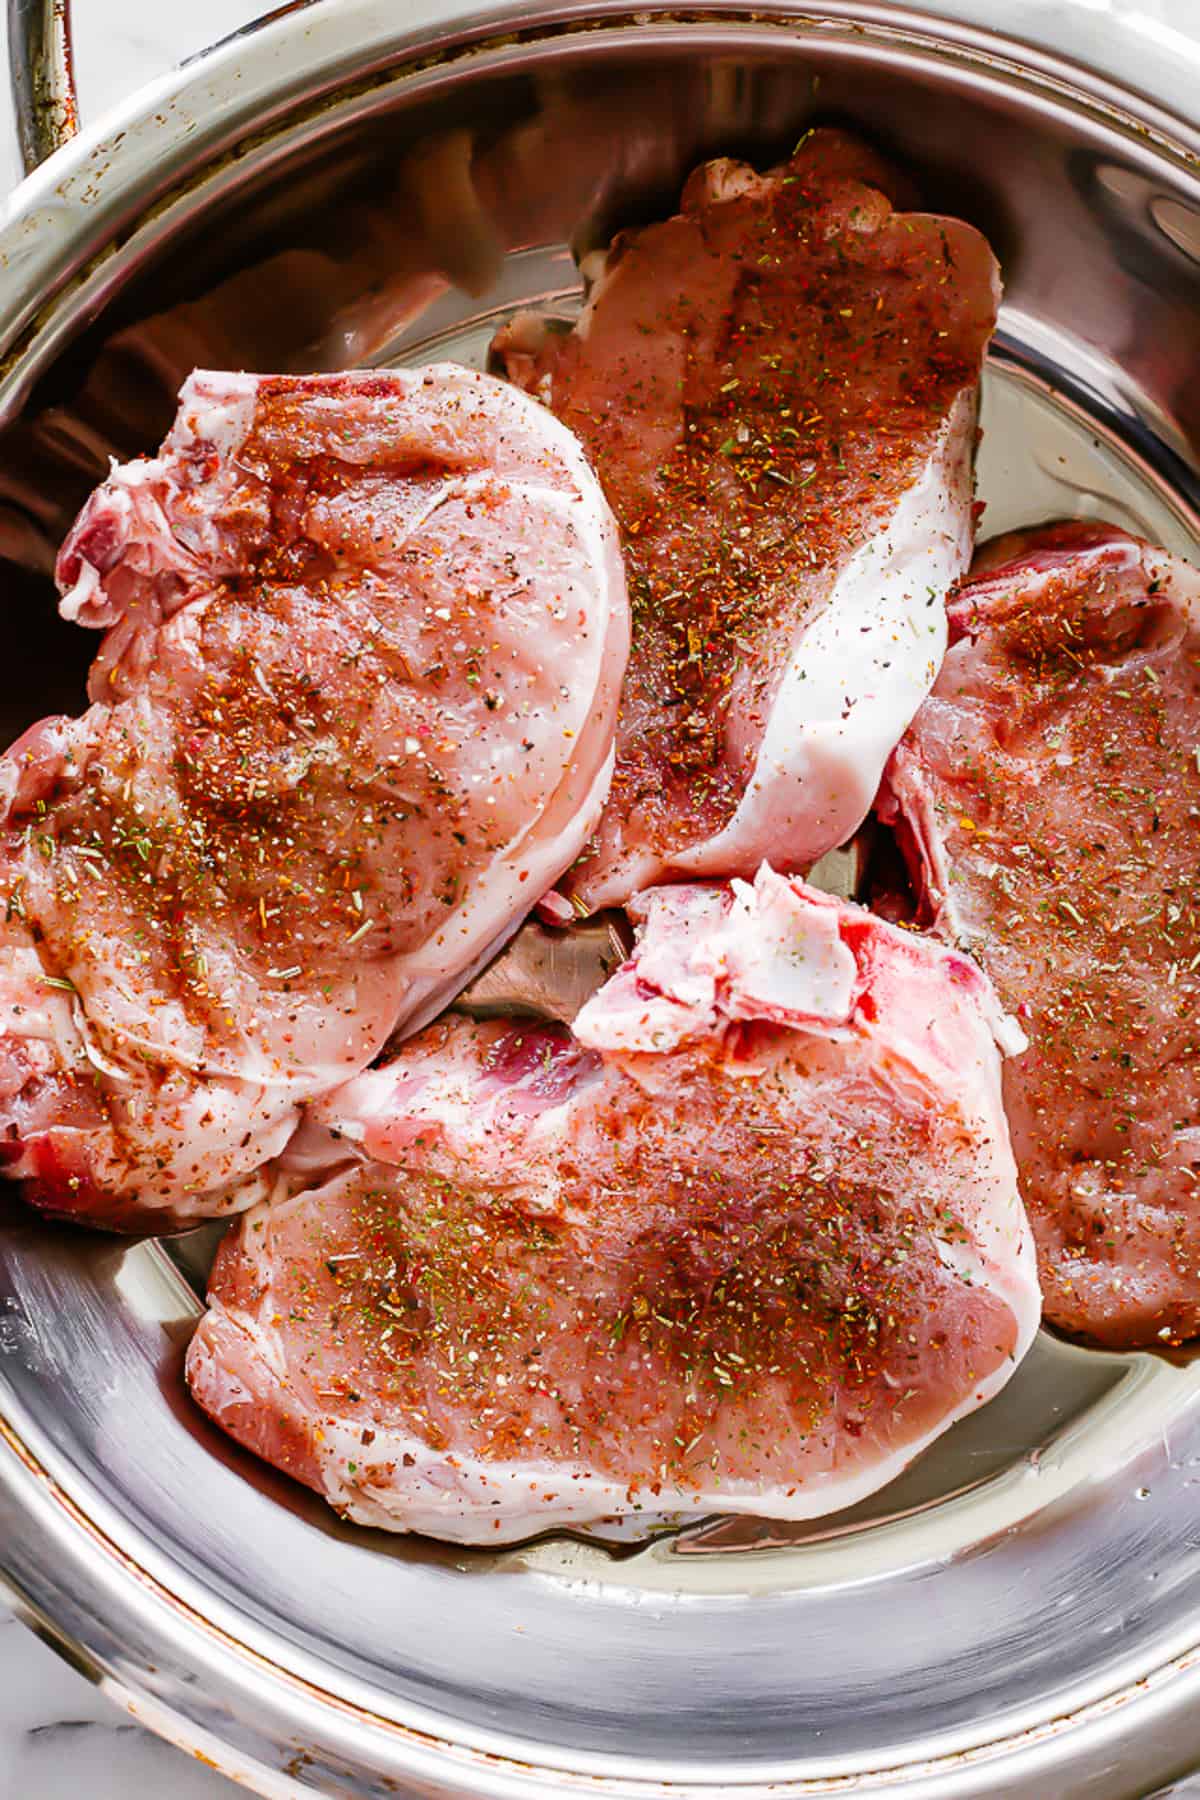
(747, 1242)
(777, 389)
(353, 711)
(1048, 798)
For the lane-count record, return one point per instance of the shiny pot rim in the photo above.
(101, 199)
(126, 1632)
(312, 62)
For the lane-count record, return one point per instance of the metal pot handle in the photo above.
(43, 81)
(42, 73)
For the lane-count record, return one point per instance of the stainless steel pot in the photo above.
(362, 180)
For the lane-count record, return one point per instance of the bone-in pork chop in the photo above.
(353, 712)
(746, 1243)
(777, 388)
(1048, 798)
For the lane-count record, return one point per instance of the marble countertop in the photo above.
(59, 1737)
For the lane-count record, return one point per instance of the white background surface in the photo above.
(59, 1738)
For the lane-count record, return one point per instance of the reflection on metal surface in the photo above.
(844, 871)
(190, 1255)
(1138, 199)
(547, 974)
(1045, 455)
(43, 80)
(1180, 222)
(1019, 1616)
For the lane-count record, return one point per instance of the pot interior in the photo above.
(983, 1591)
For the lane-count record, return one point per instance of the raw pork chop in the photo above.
(1049, 800)
(747, 1243)
(353, 712)
(777, 389)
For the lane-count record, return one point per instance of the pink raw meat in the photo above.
(748, 1242)
(353, 712)
(777, 388)
(1048, 798)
